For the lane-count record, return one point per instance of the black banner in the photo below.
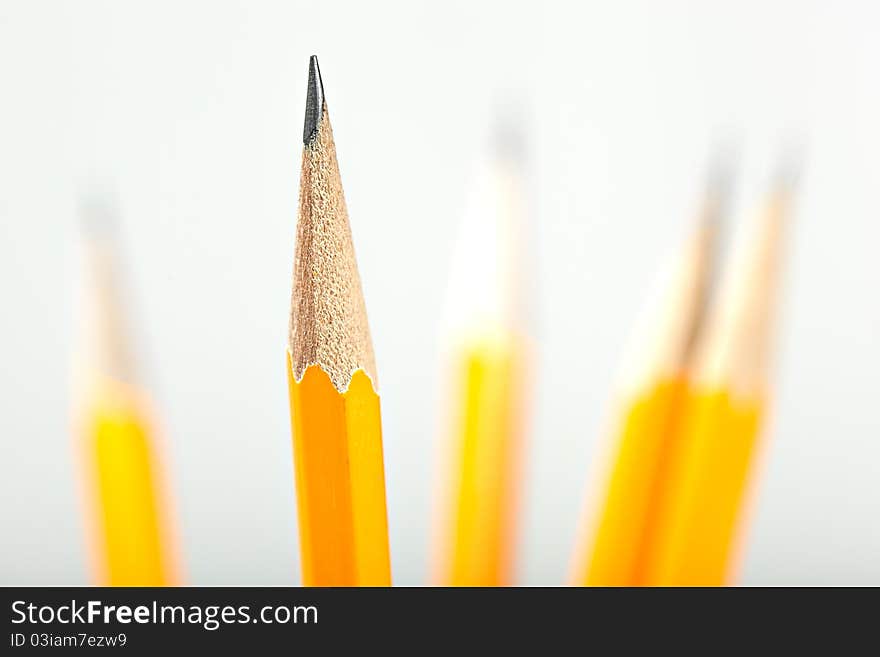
(425, 619)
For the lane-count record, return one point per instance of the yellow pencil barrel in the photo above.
(701, 517)
(486, 443)
(340, 481)
(621, 531)
(131, 542)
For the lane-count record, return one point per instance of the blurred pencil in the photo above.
(116, 431)
(337, 435)
(617, 530)
(487, 351)
(701, 517)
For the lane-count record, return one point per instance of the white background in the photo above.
(193, 113)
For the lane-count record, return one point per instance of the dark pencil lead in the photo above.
(314, 102)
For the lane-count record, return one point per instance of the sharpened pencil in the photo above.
(488, 353)
(116, 430)
(334, 400)
(701, 518)
(617, 536)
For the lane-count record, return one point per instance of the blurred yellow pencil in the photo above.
(616, 533)
(115, 430)
(487, 355)
(700, 517)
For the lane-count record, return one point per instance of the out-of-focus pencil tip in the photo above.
(508, 137)
(314, 102)
(98, 216)
(720, 177)
(722, 168)
(789, 167)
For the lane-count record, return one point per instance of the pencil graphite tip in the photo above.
(508, 142)
(788, 168)
(722, 169)
(98, 217)
(314, 102)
